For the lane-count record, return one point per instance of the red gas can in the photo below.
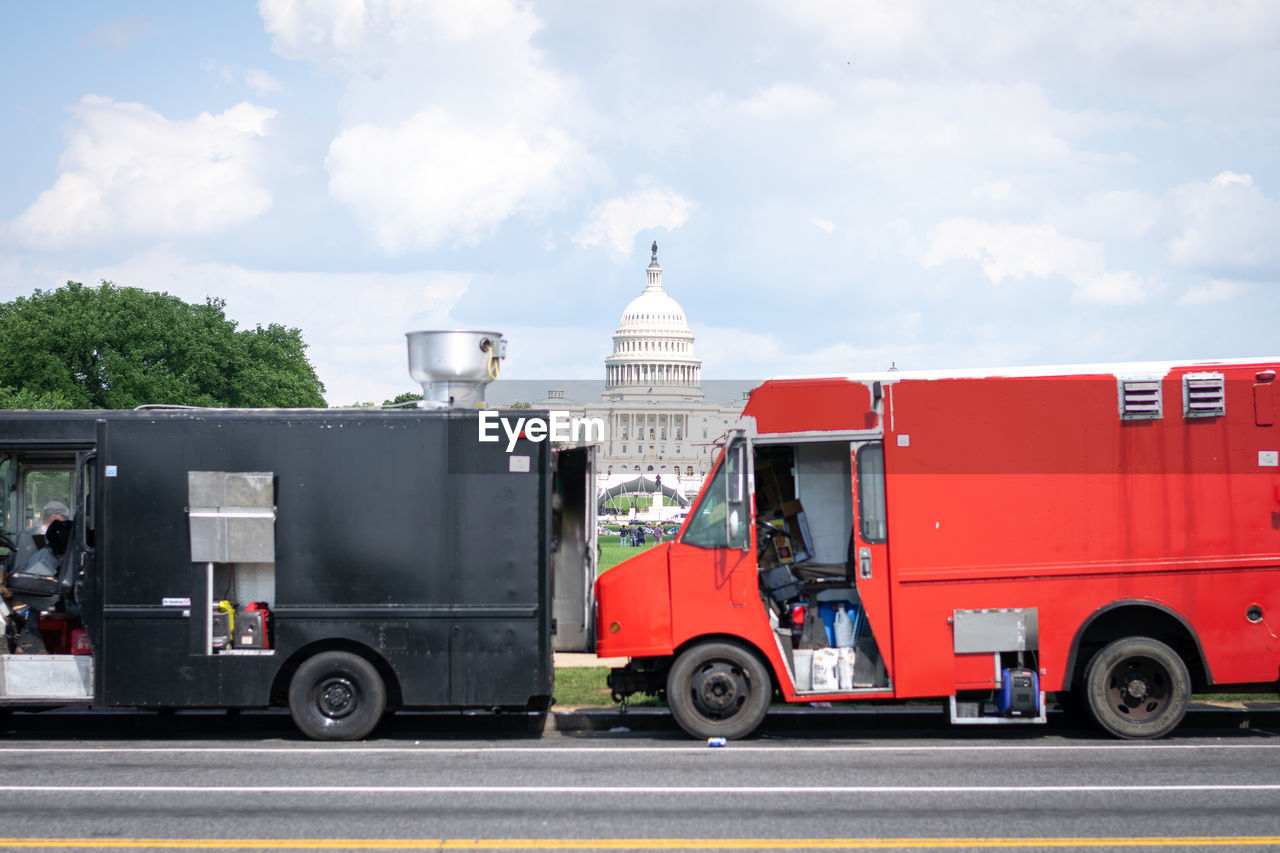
(253, 633)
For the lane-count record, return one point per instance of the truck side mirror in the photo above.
(734, 470)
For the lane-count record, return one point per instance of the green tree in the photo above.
(400, 399)
(114, 347)
(23, 398)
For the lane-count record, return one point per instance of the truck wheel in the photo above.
(718, 690)
(1137, 687)
(337, 696)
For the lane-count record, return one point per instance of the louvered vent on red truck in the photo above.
(1140, 399)
(1204, 395)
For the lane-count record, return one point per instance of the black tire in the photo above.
(1137, 688)
(337, 696)
(718, 689)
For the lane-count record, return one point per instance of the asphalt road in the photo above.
(255, 785)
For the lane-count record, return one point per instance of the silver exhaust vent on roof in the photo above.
(453, 367)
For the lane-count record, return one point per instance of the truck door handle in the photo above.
(864, 563)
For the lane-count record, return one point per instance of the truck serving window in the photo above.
(871, 505)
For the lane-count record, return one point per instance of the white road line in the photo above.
(630, 790)
(419, 748)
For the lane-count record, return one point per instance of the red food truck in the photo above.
(1108, 533)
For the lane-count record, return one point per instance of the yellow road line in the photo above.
(634, 843)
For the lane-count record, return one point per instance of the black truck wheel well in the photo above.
(280, 685)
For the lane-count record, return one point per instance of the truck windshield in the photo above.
(43, 487)
(720, 520)
(707, 528)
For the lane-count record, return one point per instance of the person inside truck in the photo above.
(44, 563)
(27, 547)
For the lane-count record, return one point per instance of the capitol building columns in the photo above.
(619, 376)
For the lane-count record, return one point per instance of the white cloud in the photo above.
(261, 81)
(368, 33)
(617, 222)
(1212, 292)
(823, 225)
(129, 171)
(452, 122)
(784, 101)
(431, 180)
(950, 135)
(1109, 288)
(998, 190)
(1225, 226)
(1013, 251)
(1208, 51)
(734, 353)
(1109, 214)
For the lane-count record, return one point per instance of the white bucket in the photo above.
(802, 660)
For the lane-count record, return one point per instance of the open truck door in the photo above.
(45, 653)
(574, 552)
(869, 543)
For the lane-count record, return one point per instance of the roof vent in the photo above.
(454, 366)
(1140, 399)
(1204, 395)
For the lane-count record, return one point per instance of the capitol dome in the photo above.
(653, 347)
(654, 309)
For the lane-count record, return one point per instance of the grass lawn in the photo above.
(613, 552)
(584, 686)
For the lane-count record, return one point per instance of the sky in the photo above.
(833, 186)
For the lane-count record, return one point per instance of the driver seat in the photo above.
(42, 591)
(47, 597)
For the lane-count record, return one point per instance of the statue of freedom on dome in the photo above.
(654, 249)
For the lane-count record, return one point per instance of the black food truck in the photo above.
(342, 563)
